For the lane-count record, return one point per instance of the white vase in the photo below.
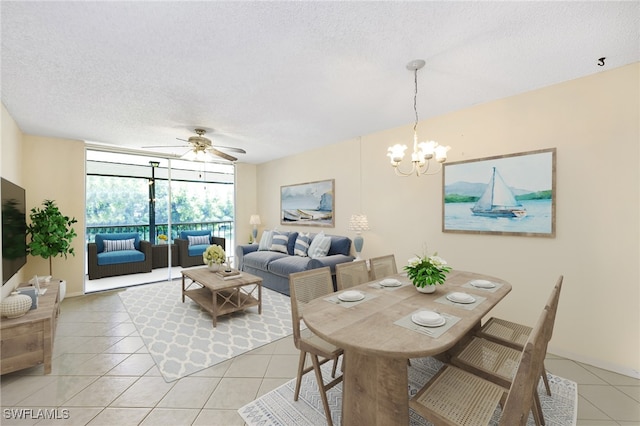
(214, 267)
(426, 289)
(15, 305)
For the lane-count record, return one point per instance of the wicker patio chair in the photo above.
(304, 287)
(351, 274)
(194, 259)
(96, 270)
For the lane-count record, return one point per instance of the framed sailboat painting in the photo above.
(512, 194)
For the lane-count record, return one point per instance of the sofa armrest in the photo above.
(241, 250)
(330, 261)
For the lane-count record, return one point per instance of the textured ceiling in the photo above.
(277, 78)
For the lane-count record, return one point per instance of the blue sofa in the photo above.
(120, 258)
(274, 267)
(191, 254)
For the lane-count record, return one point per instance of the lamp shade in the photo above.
(359, 222)
(254, 220)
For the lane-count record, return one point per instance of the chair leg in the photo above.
(323, 393)
(536, 409)
(546, 380)
(303, 355)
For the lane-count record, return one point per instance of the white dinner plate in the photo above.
(390, 282)
(460, 298)
(482, 284)
(351, 296)
(416, 320)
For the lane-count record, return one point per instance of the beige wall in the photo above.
(594, 124)
(246, 202)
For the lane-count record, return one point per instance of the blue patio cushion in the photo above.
(120, 256)
(183, 234)
(118, 236)
(197, 250)
(261, 259)
(288, 265)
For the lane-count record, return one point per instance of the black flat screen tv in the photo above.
(14, 225)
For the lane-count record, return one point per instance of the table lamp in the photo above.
(255, 221)
(358, 223)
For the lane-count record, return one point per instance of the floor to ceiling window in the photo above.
(157, 198)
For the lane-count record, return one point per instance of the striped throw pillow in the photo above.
(265, 241)
(117, 245)
(321, 248)
(279, 242)
(302, 245)
(196, 240)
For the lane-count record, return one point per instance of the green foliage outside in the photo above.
(125, 201)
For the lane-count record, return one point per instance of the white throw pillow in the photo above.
(319, 246)
(196, 240)
(279, 242)
(117, 245)
(265, 241)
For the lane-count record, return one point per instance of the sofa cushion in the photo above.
(99, 239)
(302, 244)
(291, 244)
(340, 245)
(120, 256)
(185, 234)
(261, 259)
(288, 265)
(196, 240)
(118, 245)
(197, 250)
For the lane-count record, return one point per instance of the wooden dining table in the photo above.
(378, 336)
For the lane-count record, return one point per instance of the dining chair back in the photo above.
(458, 397)
(514, 335)
(351, 274)
(303, 287)
(383, 266)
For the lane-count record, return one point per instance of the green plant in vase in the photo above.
(51, 233)
(427, 270)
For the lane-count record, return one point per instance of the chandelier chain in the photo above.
(415, 99)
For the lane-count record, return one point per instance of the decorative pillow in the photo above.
(302, 245)
(322, 249)
(279, 242)
(196, 240)
(265, 241)
(315, 242)
(117, 245)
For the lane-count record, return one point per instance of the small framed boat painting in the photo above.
(512, 194)
(311, 203)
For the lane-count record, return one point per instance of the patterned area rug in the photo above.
(277, 407)
(181, 338)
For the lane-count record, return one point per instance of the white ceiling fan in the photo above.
(202, 148)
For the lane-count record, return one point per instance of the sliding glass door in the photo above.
(155, 198)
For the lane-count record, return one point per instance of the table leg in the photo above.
(259, 299)
(214, 307)
(375, 390)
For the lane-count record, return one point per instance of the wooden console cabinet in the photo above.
(28, 340)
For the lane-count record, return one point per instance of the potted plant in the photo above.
(427, 271)
(214, 256)
(51, 232)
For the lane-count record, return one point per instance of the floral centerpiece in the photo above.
(214, 255)
(427, 271)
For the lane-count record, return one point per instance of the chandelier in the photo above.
(423, 152)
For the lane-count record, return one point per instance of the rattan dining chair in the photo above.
(515, 335)
(304, 287)
(497, 362)
(351, 274)
(457, 397)
(383, 266)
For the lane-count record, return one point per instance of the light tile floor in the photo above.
(103, 375)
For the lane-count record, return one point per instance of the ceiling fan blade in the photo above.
(222, 154)
(232, 149)
(164, 146)
(184, 140)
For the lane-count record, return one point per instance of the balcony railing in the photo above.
(220, 229)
